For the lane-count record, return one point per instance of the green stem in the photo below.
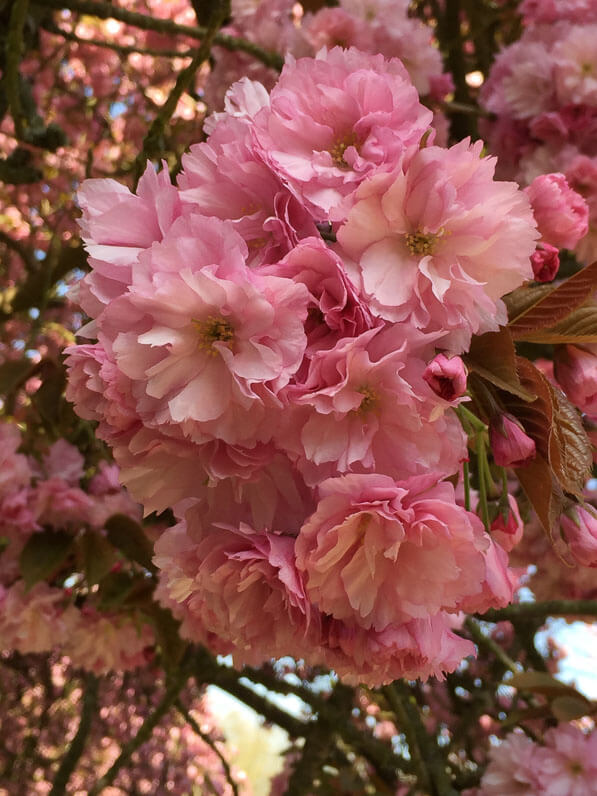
(483, 473)
(467, 485)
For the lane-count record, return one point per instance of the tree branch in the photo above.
(77, 747)
(541, 610)
(103, 10)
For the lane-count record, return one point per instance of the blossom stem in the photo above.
(483, 475)
(469, 420)
(467, 485)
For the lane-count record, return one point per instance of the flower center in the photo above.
(339, 147)
(421, 243)
(370, 399)
(214, 329)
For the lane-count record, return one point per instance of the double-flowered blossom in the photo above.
(564, 764)
(276, 358)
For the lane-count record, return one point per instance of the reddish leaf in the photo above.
(570, 453)
(578, 327)
(543, 491)
(492, 356)
(551, 306)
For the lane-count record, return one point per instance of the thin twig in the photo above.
(123, 49)
(172, 691)
(153, 140)
(77, 746)
(145, 22)
(483, 640)
(210, 742)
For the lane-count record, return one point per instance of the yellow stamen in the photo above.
(421, 243)
(214, 329)
(339, 147)
(370, 399)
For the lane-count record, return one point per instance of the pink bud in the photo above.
(511, 446)
(546, 262)
(507, 531)
(561, 213)
(446, 376)
(579, 526)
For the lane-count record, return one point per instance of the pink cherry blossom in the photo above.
(364, 405)
(427, 240)
(420, 649)
(575, 369)
(561, 213)
(337, 119)
(211, 342)
(513, 768)
(579, 527)
(224, 177)
(378, 552)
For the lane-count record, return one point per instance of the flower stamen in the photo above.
(214, 329)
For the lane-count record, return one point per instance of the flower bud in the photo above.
(546, 262)
(507, 527)
(579, 526)
(446, 376)
(511, 446)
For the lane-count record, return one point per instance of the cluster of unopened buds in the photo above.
(277, 357)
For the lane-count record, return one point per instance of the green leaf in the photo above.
(114, 590)
(542, 683)
(551, 306)
(14, 373)
(492, 356)
(98, 556)
(43, 555)
(569, 707)
(129, 537)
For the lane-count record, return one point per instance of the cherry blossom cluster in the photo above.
(46, 495)
(277, 358)
(543, 92)
(372, 26)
